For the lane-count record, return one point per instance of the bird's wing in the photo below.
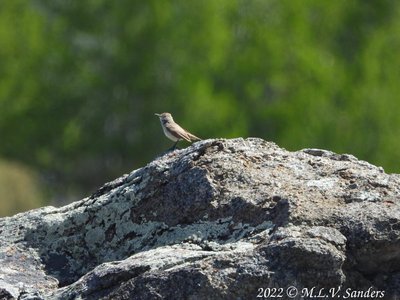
(192, 136)
(178, 132)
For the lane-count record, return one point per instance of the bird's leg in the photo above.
(173, 146)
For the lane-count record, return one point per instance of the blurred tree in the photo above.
(81, 80)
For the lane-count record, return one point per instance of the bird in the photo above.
(173, 131)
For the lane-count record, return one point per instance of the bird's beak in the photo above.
(158, 115)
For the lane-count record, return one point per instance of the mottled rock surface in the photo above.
(222, 219)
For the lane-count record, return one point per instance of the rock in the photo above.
(221, 219)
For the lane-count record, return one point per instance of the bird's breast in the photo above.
(169, 135)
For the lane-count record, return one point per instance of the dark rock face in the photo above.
(222, 219)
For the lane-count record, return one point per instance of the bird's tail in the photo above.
(193, 137)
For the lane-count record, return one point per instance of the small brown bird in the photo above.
(173, 131)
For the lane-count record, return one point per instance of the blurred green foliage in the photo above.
(81, 80)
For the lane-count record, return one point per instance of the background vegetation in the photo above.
(81, 80)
